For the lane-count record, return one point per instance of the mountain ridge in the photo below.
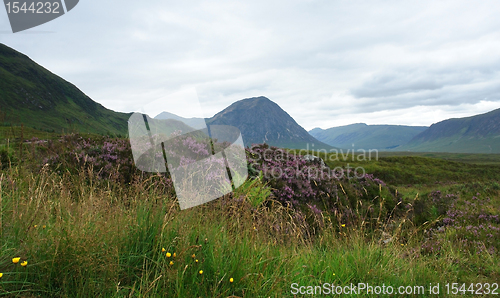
(197, 123)
(363, 136)
(34, 96)
(474, 134)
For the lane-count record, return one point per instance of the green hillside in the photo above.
(476, 134)
(33, 96)
(362, 136)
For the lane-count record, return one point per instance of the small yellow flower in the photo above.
(193, 256)
(231, 280)
(175, 255)
(201, 272)
(24, 263)
(168, 255)
(343, 225)
(1, 274)
(16, 260)
(196, 260)
(35, 226)
(402, 244)
(334, 274)
(44, 226)
(171, 263)
(163, 250)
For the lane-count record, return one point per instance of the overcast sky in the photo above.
(327, 63)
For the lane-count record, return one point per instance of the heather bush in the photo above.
(341, 194)
(107, 158)
(475, 223)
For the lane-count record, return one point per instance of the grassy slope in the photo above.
(34, 96)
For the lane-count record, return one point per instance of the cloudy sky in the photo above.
(327, 63)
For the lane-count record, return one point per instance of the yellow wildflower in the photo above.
(35, 226)
(201, 272)
(44, 226)
(16, 260)
(175, 254)
(231, 280)
(24, 263)
(193, 256)
(343, 225)
(196, 260)
(171, 263)
(163, 250)
(168, 255)
(1, 274)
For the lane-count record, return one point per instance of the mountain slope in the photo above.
(362, 136)
(197, 123)
(33, 96)
(476, 134)
(262, 121)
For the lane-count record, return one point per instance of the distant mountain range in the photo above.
(363, 136)
(33, 96)
(476, 134)
(196, 123)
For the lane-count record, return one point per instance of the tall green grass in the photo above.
(86, 237)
